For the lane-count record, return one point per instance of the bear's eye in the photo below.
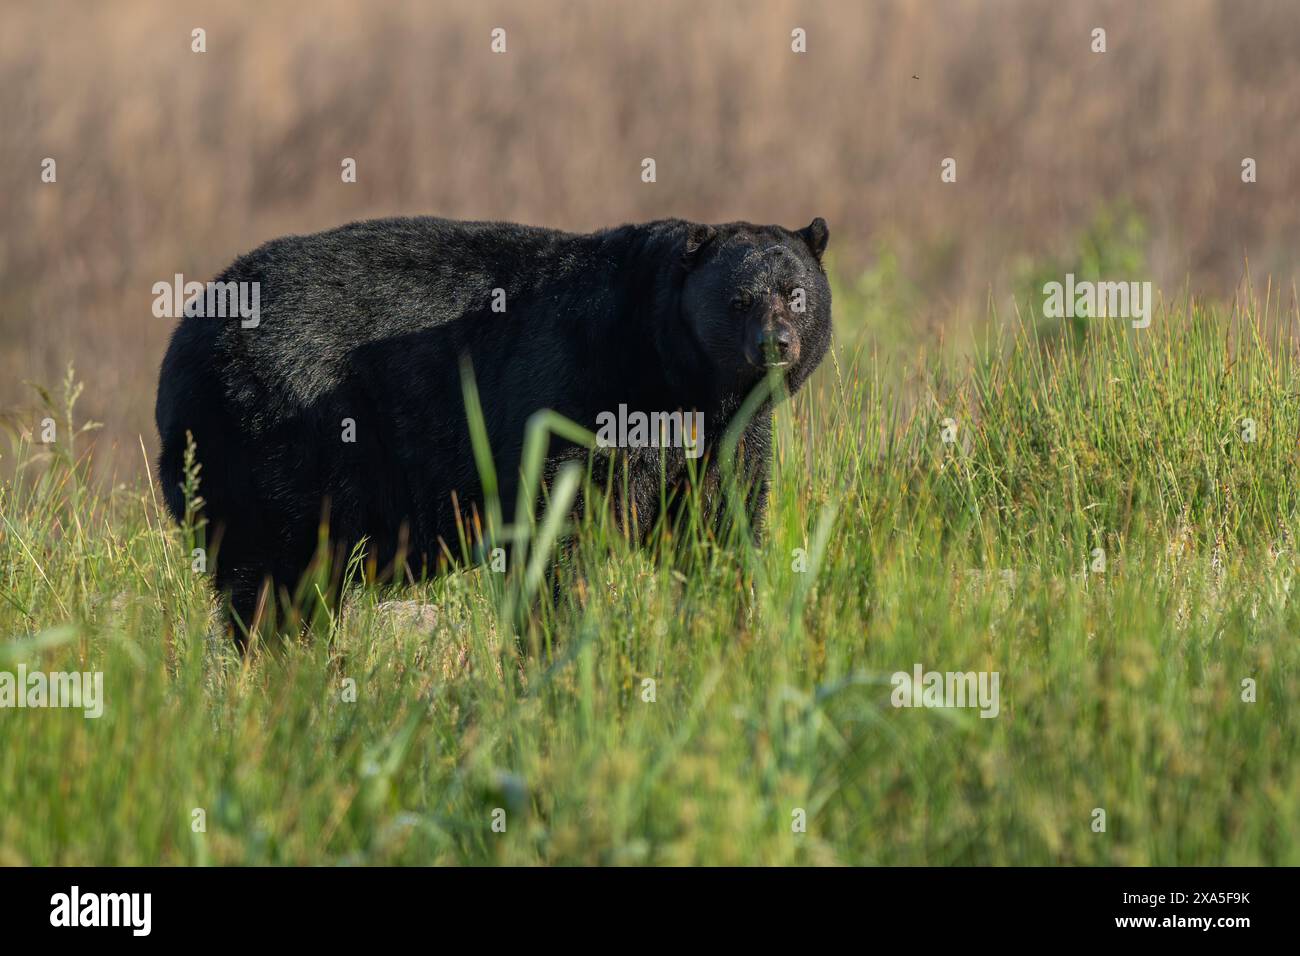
(742, 301)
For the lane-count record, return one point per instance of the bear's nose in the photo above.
(777, 346)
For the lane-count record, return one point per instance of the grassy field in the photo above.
(1105, 532)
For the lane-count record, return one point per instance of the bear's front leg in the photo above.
(746, 493)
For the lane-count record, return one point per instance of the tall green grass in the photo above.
(1121, 686)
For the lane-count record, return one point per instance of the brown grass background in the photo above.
(171, 161)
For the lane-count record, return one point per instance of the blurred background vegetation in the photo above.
(1126, 163)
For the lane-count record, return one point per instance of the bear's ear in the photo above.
(816, 234)
(698, 235)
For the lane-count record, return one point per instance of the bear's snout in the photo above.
(772, 345)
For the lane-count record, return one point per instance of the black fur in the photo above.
(369, 322)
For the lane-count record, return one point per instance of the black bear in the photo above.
(339, 393)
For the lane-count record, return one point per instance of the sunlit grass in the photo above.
(1121, 688)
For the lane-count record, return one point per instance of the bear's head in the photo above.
(756, 298)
